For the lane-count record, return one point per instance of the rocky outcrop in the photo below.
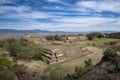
(105, 70)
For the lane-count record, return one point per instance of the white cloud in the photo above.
(53, 0)
(58, 1)
(66, 23)
(70, 24)
(18, 9)
(4, 1)
(7, 1)
(33, 15)
(30, 15)
(108, 5)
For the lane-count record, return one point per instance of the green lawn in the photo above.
(100, 42)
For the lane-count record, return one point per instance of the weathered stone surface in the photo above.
(36, 38)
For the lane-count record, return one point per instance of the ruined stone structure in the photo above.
(53, 56)
(59, 53)
(71, 38)
(36, 38)
(76, 37)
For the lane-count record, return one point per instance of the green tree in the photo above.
(107, 53)
(54, 37)
(24, 42)
(50, 37)
(88, 64)
(90, 38)
(57, 37)
(100, 36)
(80, 70)
(14, 47)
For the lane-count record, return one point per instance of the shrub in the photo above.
(24, 42)
(54, 73)
(111, 68)
(112, 43)
(54, 37)
(4, 44)
(5, 62)
(57, 37)
(88, 64)
(80, 70)
(93, 44)
(38, 54)
(90, 38)
(107, 53)
(6, 74)
(100, 36)
(20, 71)
(14, 47)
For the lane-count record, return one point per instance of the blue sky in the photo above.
(60, 15)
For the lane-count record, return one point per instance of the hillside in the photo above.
(107, 69)
(34, 56)
(46, 32)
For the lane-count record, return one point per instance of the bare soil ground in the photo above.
(33, 65)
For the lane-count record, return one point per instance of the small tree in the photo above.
(23, 42)
(79, 70)
(107, 53)
(14, 47)
(57, 37)
(88, 64)
(50, 37)
(100, 36)
(111, 68)
(90, 38)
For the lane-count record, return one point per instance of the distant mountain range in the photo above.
(38, 31)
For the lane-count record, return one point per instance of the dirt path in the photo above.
(33, 65)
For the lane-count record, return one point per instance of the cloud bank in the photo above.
(60, 15)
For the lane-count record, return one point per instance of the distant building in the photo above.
(71, 38)
(76, 37)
